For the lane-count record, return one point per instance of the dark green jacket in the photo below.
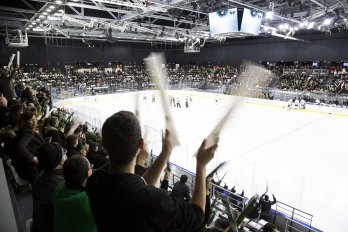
(71, 210)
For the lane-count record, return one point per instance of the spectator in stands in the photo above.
(71, 206)
(12, 102)
(266, 206)
(53, 132)
(4, 112)
(180, 190)
(16, 112)
(6, 85)
(27, 95)
(94, 157)
(51, 158)
(71, 146)
(78, 132)
(25, 160)
(119, 199)
(269, 227)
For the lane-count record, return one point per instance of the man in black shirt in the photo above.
(123, 201)
(266, 206)
(180, 190)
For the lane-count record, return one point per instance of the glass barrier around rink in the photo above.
(252, 177)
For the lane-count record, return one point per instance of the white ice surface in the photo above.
(301, 155)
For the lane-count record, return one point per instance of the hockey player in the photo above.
(178, 103)
(144, 98)
(217, 99)
(153, 98)
(186, 102)
(297, 104)
(289, 104)
(191, 98)
(302, 104)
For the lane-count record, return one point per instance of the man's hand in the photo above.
(167, 174)
(204, 156)
(35, 160)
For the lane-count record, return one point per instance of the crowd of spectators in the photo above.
(301, 82)
(84, 180)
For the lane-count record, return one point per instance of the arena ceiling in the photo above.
(165, 20)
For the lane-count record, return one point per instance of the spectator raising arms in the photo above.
(123, 201)
(266, 206)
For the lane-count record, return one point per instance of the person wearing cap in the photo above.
(266, 206)
(72, 211)
(51, 157)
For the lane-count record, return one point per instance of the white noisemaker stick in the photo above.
(153, 62)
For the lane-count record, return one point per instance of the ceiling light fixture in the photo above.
(269, 14)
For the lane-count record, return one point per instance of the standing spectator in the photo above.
(94, 157)
(6, 84)
(78, 133)
(53, 132)
(180, 190)
(141, 206)
(27, 95)
(4, 112)
(51, 158)
(178, 103)
(25, 160)
(266, 206)
(71, 206)
(71, 146)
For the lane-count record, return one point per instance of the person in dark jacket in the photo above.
(25, 160)
(27, 95)
(266, 206)
(71, 146)
(53, 132)
(4, 113)
(51, 158)
(6, 84)
(94, 157)
(180, 190)
(78, 132)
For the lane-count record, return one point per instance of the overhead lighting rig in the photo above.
(112, 25)
(140, 4)
(50, 26)
(73, 20)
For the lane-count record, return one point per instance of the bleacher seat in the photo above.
(15, 179)
(28, 225)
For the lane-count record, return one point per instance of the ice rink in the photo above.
(300, 154)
